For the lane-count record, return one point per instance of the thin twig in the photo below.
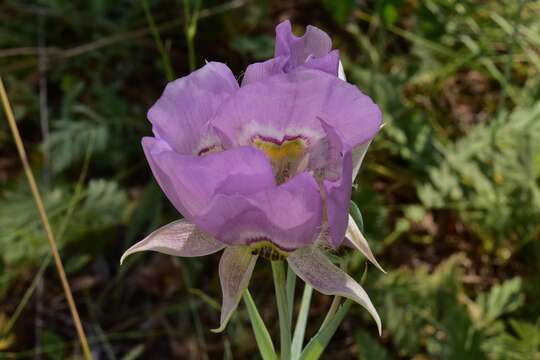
(43, 215)
(63, 226)
(44, 125)
(157, 40)
(190, 30)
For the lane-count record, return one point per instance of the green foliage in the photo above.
(451, 325)
(103, 205)
(522, 343)
(492, 178)
(369, 348)
(340, 9)
(256, 47)
(500, 300)
(455, 170)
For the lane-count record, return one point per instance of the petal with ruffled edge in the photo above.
(318, 271)
(179, 238)
(190, 182)
(235, 269)
(288, 216)
(328, 63)
(261, 70)
(337, 190)
(290, 105)
(181, 114)
(313, 50)
(315, 43)
(357, 240)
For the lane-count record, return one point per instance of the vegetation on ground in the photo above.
(449, 191)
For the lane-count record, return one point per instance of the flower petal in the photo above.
(279, 65)
(312, 50)
(288, 215)
(328, 63)
(179, 238)
(261, 70)
(233, 196)
(359, 242)
(338, 190)
(290, 105)
(181, 114)
(235, 269)
(319, 272)
(315, 43)
(190, 182)
(360, 150)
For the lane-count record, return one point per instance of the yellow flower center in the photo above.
(286, 155)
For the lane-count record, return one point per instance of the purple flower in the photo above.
(265, 169)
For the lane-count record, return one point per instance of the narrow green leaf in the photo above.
(300, 329)
(134, 353)
(291, 285)
(283, 310)
(262, 336)
(318, 343)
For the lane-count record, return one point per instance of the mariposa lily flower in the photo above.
(265, 169)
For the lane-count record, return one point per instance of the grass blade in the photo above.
(45, 221)
(300, 329)
(318, 343)
(262, 336)
(291, 285)
(283, 310)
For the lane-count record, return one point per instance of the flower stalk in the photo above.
(283, 309)
(262, 336)
(301, 322)
(291, 286)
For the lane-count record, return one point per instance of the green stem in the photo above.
(169, 73)
(262, 336)
(190, 21)
(332, 311)
(291, 284)
(318, 343)
(283, 309)
(300, 329)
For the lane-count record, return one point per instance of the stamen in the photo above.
(267, 250)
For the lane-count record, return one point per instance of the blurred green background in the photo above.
(449, 191)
